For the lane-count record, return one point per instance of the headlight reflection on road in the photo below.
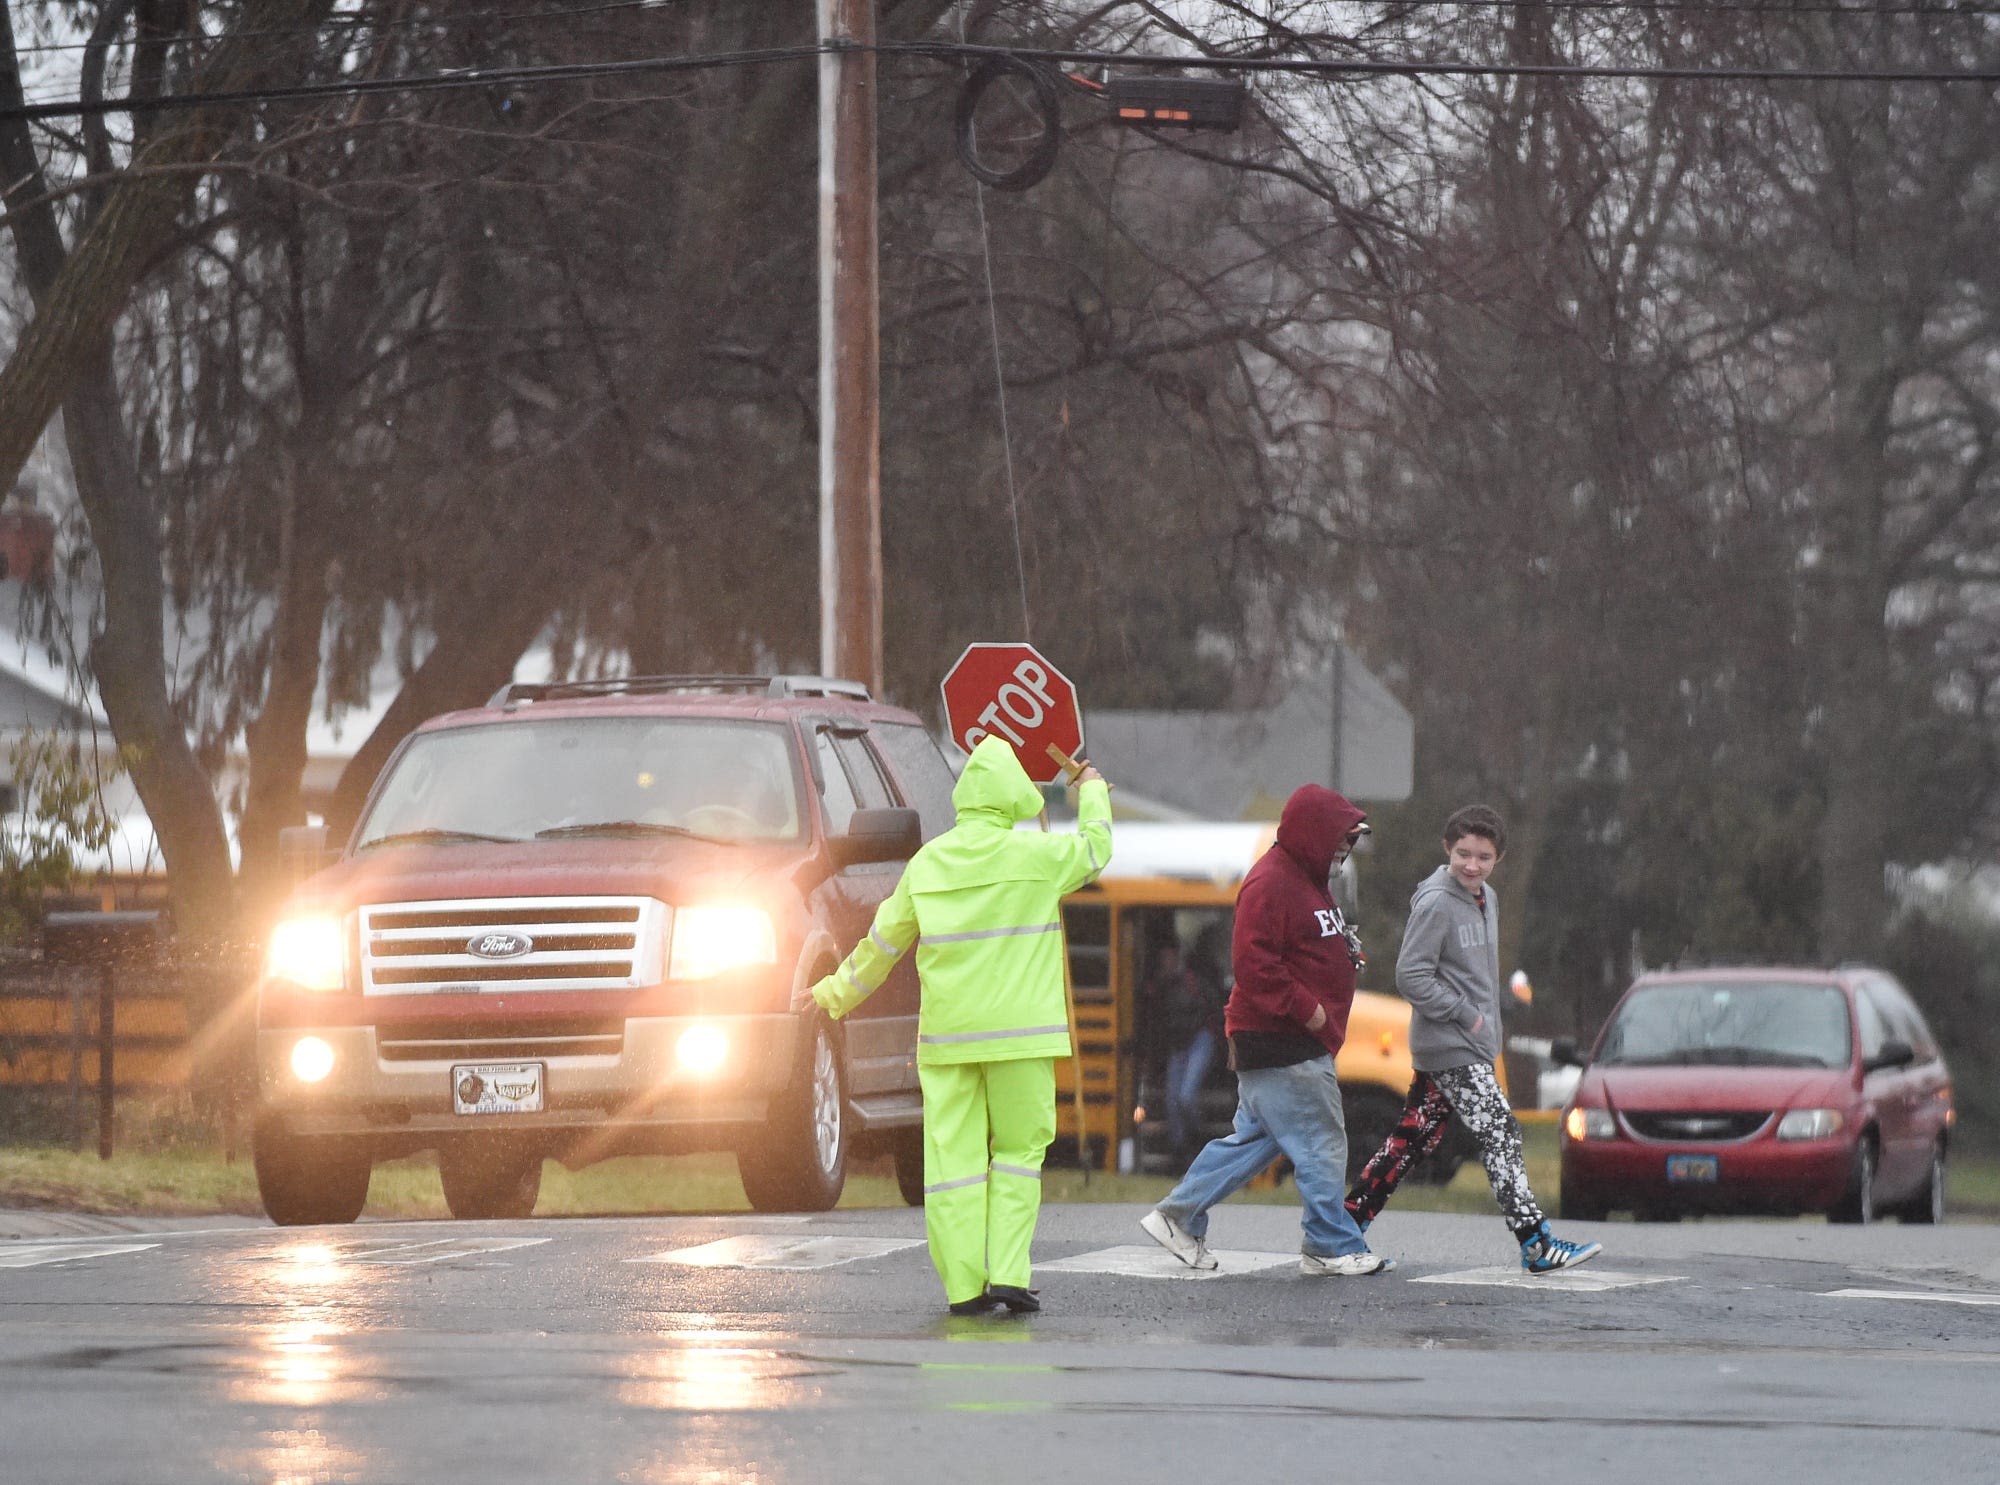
(714, 1379)
(302, 1456)
(314, 1264)
(300, 1364)
(706, 1383)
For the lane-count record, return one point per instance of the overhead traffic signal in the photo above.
(1176, 102)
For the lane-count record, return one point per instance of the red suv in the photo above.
(1760, 1090)
(569, 924)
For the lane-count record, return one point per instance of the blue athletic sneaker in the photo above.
(1542, 1252)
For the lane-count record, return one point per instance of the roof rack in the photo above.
(517, 692)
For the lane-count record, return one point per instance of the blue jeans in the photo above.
(1187, 1070)
(1294, 1111)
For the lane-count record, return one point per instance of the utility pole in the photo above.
(1339, 780)
(850, 460)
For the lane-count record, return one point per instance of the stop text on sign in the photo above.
(1024, 701)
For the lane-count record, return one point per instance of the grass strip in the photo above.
(197, 1180)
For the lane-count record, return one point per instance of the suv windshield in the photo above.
(1735, 1024)
(575, 777)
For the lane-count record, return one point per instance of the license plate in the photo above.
(1694, 1170)
(497, 1088)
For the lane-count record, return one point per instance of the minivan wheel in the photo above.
(1857, 1203)
(1927, 1206)
(1577, 1206)
(488, 1183)
(307, 1180)
(799, 1164)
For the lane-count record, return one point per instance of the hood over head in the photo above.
(1314, 825)
(994, 782)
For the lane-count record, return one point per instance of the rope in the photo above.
(1000, 387)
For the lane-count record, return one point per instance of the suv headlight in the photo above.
(1810, 1124)
(1590, 1124)
(308, 952)
(710, 938)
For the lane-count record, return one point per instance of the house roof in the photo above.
(1243, 765)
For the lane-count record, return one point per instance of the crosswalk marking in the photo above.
(33, 1255)
(434, 1250)
(767, 1250)
(1570, 1280)
(1936, 1296)
(1149, 1261)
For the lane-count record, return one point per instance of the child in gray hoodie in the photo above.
(1449, 971)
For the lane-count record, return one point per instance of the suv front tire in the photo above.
(799, 1164)
(306, 1181)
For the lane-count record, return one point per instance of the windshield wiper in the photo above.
(437, 837)
(1719, 1057)
(631, 827)
(1759, 1057)
(1656, 1059)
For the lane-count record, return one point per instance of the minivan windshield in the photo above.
(1731, 1024)
(576, 777)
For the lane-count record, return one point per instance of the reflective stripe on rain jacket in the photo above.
(983, 904)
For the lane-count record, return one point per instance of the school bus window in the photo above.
(1088, 928)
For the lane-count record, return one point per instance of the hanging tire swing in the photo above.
(1008, 126)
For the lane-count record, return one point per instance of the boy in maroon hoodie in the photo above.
(1295, 959)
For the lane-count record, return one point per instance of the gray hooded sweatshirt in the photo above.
(1449, 972)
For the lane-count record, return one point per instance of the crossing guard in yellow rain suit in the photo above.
(982, 903)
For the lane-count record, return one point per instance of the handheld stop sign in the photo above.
(1011, 691)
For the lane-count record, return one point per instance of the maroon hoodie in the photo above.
(1289, 954)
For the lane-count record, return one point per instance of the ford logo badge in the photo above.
(499, 945)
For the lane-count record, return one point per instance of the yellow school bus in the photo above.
(1177, 883)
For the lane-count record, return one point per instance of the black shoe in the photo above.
(1020, 1301)
(981, 1305)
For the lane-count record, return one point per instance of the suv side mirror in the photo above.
(1563, 1052)
(878, 835)
(1894, 1053)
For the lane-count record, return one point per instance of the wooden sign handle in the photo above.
(1071, 767)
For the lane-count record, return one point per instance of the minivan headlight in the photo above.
(1810, 1124)
(307, 952)
(1590, 1124)
(711, 938)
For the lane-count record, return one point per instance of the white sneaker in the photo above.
(1177, 1240)
(1347, 1265)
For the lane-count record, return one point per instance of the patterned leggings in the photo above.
(1473, 1093)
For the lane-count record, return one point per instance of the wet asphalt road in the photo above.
(575, 1350)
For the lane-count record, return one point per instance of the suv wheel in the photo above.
(800, 1163)
(908, 1154)
(305, 1181)
(485, 1182)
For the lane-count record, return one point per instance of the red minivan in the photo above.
(1760, 1090)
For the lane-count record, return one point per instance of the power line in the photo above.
(1426, 67)
(356, 21)
(530, 74)
(425, 82)
(1774, 8)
